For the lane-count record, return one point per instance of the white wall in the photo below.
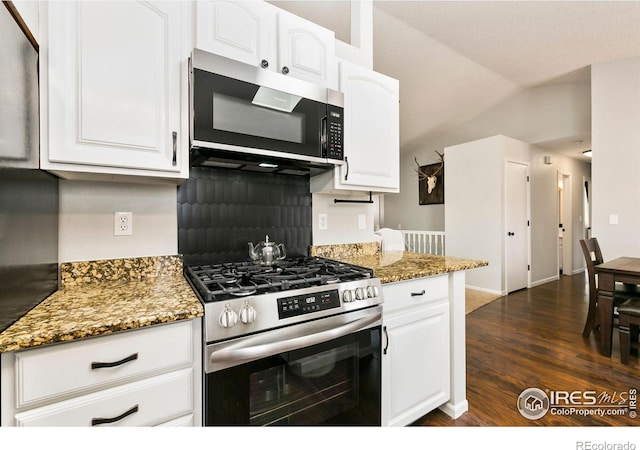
(343, 219)
(403, 210)
(475, 205)
(87, 221)
(535, 115)
(615, 93)
(544, 213)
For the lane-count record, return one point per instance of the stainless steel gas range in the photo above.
(295, 342)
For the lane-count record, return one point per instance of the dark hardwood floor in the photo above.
(533, 339)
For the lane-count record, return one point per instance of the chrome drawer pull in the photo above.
(416, 294)
(102, 365)
(100, 420)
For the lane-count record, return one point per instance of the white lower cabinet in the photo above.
(146, 377)
(416, 349)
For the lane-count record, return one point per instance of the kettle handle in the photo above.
(283, 251)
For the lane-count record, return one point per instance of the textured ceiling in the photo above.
(458, 59)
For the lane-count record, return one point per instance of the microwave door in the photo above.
(231, 114)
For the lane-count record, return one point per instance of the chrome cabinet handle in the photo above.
(417, 294)
(100, 420)
(175, 148)
(285, 70)
(102, 365)
(264, 63)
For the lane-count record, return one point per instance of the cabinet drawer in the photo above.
(51, 373)
(147, 402)
(416, 292)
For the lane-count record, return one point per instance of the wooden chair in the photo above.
(593, 257)
(628, 325)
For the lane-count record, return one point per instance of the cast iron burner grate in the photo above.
(218, 282)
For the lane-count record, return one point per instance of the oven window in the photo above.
(333, 383)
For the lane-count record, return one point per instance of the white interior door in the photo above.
(567, 226)
(517, 226)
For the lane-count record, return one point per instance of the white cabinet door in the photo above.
(115, 73)
(415, 363)
(371, 130)
(306, 50)
(240, 30)
(260, 34)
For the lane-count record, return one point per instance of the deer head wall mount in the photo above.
(431, 179)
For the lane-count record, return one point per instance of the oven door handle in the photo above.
(236, 353)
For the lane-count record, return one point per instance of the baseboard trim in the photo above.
(455, 411)
(488, 291)
(545, 280)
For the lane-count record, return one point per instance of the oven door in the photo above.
(324, 372)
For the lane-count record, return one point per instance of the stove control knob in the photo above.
(372, 291)
(348, 297)
(228, 318)
(361, 294)
(247, 313)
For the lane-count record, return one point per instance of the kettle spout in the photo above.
(252, 252)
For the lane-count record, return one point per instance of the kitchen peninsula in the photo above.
(424, 357)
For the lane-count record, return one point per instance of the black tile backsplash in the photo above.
(220, 211)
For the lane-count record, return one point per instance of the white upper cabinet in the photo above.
(371, 134)
(115, 76)
(240, 30)
(260, 34)
(306, 50)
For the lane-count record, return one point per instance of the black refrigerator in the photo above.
(28, 196)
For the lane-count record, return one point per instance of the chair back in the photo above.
(592, 257)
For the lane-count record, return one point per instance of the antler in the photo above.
(421, 174)
(424, 176)
(441, 155)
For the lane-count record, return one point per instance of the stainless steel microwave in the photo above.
(243, 115)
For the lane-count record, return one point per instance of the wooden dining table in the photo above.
(619, 270)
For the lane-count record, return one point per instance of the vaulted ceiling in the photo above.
(458, 59)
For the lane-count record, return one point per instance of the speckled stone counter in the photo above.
(102, 297)
(395, 266)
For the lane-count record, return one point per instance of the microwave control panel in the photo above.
(335, 121)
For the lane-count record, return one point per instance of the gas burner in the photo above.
(243, 292)
(222, 282)
(329, 279)
(290, 273)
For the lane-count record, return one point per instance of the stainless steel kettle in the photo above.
(266, 252)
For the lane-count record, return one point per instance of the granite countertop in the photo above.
(103, 297)
(395, 265)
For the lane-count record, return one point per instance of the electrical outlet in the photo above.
(123, 223)
(322, 221)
